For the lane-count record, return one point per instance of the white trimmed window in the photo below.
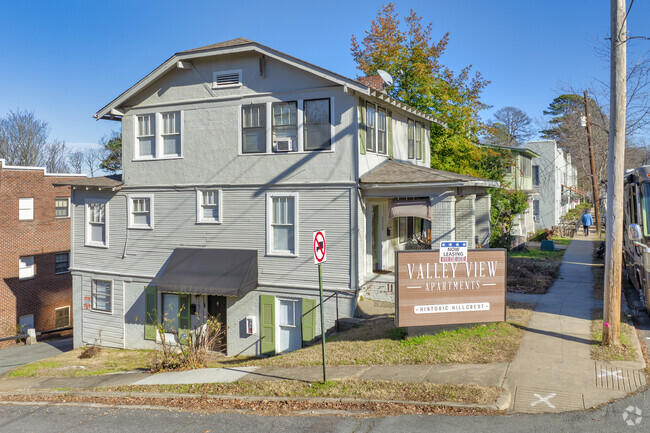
(285, 126)
(146, 136)
(62, 317)
(371, 125)
(62, 207)
(253, 128)
(282, 224)
(140, 211)
(102, 295)
(25, 208)
(231, 78)
(317, 124)
(26, 267)
(96, 223)
(411, 139)
(381, 131)
(171, 134)
(208, 206)
(418, 141)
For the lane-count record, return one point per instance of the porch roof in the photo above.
(392, 172)
(210, 271)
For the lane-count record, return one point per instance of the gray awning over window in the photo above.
(208, 271)
(410, 208)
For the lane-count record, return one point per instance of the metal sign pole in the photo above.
(322, 318)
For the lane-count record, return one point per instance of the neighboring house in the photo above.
(555, 179)
(233, 154)
(520, 177)
(35, 283)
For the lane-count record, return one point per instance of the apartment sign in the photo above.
(455, 251)
(434, 292)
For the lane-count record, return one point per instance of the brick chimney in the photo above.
(373, 81)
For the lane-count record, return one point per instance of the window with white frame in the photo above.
(371, 136)
(285, 126)
(25, 208)
(411, 139)
(317, 124)
(418, 140)
(146, 136)
(282, 234)
(102, 295)
(253, 128)
(26, 267)
(287, 312)
(96, 223)
(61, 263)
(62, 207)
(208, 208)
(171, 134)
(381, 130)
(141, 211)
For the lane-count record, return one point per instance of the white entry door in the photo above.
(289, 313)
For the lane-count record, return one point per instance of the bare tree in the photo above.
(23, 139)
(511, 127)
(76, 161)
(55, 161)
(91, 160)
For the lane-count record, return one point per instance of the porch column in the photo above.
(443, 218)
(466, 219)
(482, 212)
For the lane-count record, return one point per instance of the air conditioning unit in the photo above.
(284, 145)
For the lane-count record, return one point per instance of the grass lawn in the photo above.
(537, 254)
(374, 390)
(561, 241)
(624, 352)
(69, 364)
(377, 342)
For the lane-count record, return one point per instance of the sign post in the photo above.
(320, 256)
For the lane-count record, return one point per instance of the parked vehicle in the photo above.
(636, 240)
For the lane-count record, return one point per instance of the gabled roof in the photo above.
(111, 182)
(394, 172)
(522, 150)
(239, 45)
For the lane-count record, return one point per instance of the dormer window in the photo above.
(221, 79)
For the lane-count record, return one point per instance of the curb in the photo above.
(501, 404)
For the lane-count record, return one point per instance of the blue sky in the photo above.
(65, 60)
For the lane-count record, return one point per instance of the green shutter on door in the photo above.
(308, 321)
(390, 133)
(184, 318)
(362, 126)
(267, 324)
(395, 231)
(151, 312)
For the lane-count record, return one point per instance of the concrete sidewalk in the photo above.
(552, 371)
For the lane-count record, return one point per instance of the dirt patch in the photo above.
(205, 404)
(532, 275)
(623, 352)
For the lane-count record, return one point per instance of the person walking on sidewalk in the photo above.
(587, 221)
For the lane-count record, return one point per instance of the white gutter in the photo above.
(458, 184)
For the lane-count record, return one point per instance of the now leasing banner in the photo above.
(433, 293)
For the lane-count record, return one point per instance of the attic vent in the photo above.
(226, 79)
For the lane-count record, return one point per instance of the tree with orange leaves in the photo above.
(420, 80)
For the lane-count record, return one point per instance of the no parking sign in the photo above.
(320, 249)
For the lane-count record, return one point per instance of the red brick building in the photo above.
(35, 283)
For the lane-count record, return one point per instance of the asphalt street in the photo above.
(26, 418)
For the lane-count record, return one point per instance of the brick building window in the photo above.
(61, 263)
(62, 317)
(26, 267)
(101, 293)
(25, 208)
(62, 207)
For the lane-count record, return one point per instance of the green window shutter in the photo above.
(151, 312)
(425, 142)
(184, 318)
(267, 324)
(395, 231)
(390, 133)
(362, 126)
(308, 321)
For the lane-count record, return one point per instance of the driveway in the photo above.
(13, 356)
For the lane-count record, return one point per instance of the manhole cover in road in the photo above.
(619, 379)
(534, 400)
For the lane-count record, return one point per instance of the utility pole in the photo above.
(615, 173)
(592, 163)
